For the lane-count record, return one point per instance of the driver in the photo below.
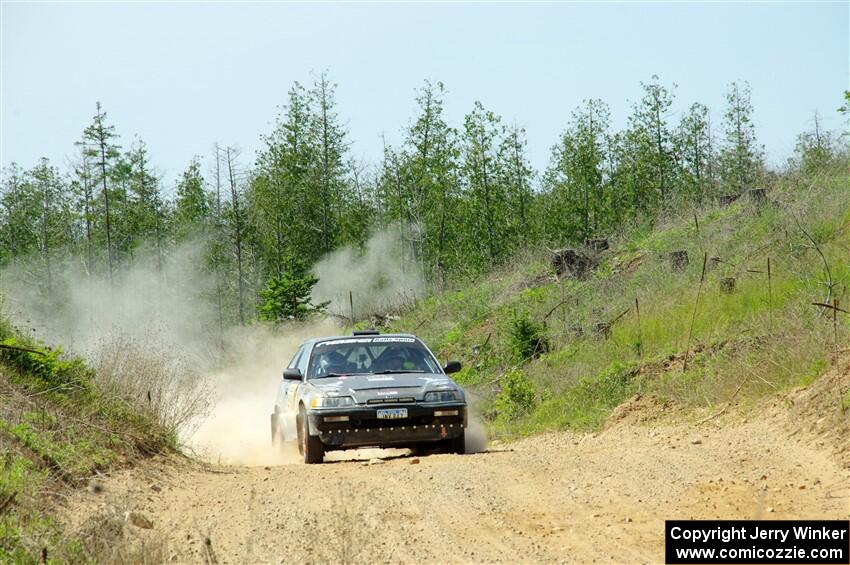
(394, 362)
(333, 362)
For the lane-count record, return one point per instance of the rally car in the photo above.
(368, 390)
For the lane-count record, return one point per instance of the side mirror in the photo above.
(451, 367)
(293, 374)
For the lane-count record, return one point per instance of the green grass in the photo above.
(761, 338)
(21, 479)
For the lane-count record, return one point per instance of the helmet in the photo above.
(332, 362)
(393, 362)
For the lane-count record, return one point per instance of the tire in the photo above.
(278, 433)
(418, 450)
(310, 447)
(276, 439)
(456, 445)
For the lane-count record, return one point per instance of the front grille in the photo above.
(406, 399)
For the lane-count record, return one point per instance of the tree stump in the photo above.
(571, 263)
(758, 196)
(597, 245)
(713, 262)
(678, 260)
(727, 285)
(728, 199)
(602, 330)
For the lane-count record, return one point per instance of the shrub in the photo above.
(156, 381)
(527, 338)
(584, 406)
(468, 375)
(517, 396)
(606, 390)
(46, 365)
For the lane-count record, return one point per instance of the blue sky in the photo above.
(185, 75)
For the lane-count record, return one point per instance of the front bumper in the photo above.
(364, 429)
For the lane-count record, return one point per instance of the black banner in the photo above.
(764, 542)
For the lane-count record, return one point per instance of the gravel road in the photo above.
(558, 497)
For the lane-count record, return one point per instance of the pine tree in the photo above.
(694, 153)
(147, 214)
(280, 191)
(328, 170)
(358, 212)
(650, 123)
(741, 157)
(53, 221)
(124, 239)
(82, 189)
(394, 191)
(17, 235)
(287, 296)
(192, 208)
(518, 176)
(815, 148)
(431, 154)
(217, 249)
(576, 175)
(238, 226)
(487, 199)
(98, 145)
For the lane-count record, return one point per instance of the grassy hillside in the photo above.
(57, 431)
(690, 342)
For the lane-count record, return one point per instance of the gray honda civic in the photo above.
(368, 390)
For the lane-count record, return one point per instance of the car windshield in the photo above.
(370, 355)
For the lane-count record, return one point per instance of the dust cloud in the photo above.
(238, 430)
(165, 309)
(167, 298)
(476, 433)
(167, 304)
(377, 278)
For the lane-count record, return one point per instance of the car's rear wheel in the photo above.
(276, 439)
(310, 447)
(278, 434)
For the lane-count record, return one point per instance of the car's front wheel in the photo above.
(455, 445)
(310, 447)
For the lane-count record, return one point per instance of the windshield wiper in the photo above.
(328, 376)
(396, 371)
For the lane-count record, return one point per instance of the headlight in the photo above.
(443, 396)
(332, 402)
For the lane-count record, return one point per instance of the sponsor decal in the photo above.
(350, 340)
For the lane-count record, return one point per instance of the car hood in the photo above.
(370, 387)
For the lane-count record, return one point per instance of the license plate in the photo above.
(392, 413)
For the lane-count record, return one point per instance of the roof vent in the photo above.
(366, 332)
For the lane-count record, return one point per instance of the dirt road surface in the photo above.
(554, 498)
